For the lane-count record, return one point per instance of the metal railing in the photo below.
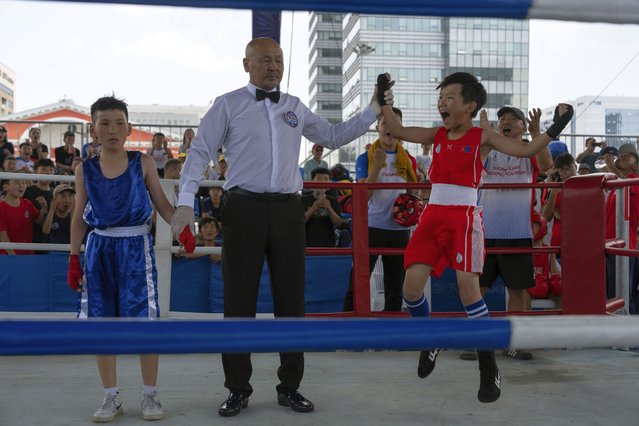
(347, 154)
(51, 133)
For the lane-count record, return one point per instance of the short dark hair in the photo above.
(207, 220)
(472, 90)
(340, 172)
(44, 162)
(320, 171)
(172, 162)
(23, 144)
(109, 102)
(564, 159)
(158, 134)
(397, 111)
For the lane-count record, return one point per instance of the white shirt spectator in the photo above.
(506, 212)
(21, 163)
(423, 161)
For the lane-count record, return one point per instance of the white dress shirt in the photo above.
(261, 141)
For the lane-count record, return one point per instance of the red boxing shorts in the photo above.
(448, 236)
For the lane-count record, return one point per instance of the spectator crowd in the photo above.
(39, 211)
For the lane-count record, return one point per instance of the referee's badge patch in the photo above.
(291, 119)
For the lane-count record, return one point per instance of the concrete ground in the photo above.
(558, 387)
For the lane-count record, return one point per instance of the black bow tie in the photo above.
(273, 96)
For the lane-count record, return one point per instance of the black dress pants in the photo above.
(258, 227)
(393, 268)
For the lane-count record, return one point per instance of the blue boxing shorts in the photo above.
(120, 278)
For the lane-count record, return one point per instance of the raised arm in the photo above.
(492, 140)
(48, 222)
(543, 157)
(421, 135)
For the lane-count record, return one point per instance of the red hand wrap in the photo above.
(75, 272)
(187, 240)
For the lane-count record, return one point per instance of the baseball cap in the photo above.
(585, 166)
(629, 148)
(515, 111)
(61, 188)
(518, 113)
(557, 147)
(610, 150)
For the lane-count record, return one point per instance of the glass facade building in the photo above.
(419, 52)
(325, 71)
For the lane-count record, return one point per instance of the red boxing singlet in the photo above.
(457, 162)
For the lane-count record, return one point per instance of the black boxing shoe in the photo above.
(490, 379)
(296, 401)
(233, 405)
(426, 363)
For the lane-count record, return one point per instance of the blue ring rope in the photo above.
(97, 336)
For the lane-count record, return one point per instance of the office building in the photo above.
(7, 89)
(419, 52)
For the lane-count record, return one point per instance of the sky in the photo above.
(189, 56)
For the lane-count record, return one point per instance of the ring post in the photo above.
(361, 277)
(583, 232)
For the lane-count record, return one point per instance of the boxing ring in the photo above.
(583, 321)
(583, 254)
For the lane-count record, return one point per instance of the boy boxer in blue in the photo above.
(115, 193)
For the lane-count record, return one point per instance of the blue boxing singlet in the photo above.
(120, 273)
(121, 201)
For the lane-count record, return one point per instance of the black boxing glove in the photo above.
(559, 122)
(382, 86)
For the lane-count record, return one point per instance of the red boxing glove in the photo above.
(541, 288)
(187, 240)
(555, 284)
(75, 272)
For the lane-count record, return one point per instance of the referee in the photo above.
(260, 131)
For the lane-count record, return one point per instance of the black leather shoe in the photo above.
(233, 405)
(296, 401)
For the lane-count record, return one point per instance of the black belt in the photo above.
(263, 196)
